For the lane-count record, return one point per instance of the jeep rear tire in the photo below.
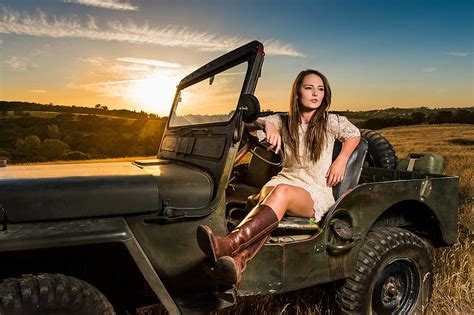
(380, 152)
(393, 275)
(51, 294)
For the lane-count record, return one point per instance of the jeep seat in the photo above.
(353, 168)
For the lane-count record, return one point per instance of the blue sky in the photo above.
(376, 54)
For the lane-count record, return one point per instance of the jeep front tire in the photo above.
(51, 294)
(393, 275)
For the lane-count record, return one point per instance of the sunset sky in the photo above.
(132, 53)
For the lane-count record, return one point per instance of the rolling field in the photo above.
(453, 291)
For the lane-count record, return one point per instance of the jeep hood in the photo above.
(52, 192)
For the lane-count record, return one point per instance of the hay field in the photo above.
(453, 291)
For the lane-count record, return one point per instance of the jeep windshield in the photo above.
(211, 100)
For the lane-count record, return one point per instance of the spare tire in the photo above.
(380, 152)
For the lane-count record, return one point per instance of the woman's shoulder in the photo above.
(334, 117)
(341, 127)
(333, 122)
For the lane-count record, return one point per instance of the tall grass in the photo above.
(453, 291)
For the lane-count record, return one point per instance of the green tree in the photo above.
(29, 147)
(53, 131)
(53, 149)
(418, 118)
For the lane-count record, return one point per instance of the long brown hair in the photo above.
(316, 134)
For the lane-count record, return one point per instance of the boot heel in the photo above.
(226, 271)
(203, 235)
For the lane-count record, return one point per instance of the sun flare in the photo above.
(155, 93)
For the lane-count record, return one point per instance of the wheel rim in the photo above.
(396, 289)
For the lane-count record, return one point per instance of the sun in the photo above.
(154, 94)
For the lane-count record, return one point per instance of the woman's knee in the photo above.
(282, 190)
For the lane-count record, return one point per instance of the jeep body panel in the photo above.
(288, 266)
(69, 191)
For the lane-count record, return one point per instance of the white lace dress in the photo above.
(307, 174)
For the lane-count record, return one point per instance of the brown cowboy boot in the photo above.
(257, 224)
(228, 270)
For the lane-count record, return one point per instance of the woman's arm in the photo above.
(272, 135)
(336, 172)
(259, 124)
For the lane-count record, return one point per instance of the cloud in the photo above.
(13, 22)
(37, 91)
(74, 86)
(150, 62)
(20, 64)
(93, 60)
(106, 4)
(428, 69)
(26, 63)
(458, 53)
(41, 51)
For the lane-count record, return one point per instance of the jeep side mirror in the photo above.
(250, 106)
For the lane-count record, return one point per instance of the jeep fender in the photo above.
(401, 203)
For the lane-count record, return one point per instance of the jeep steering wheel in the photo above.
(268, 155)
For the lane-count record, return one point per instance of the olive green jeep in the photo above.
(105, 238)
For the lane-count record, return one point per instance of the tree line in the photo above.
(22, 108)
(75, 137)
(461, 116)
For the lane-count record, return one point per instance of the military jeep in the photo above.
(106, 238)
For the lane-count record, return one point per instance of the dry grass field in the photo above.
(453, 291)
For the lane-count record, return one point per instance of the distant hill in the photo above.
(15, 106)
(395, 111)
(31, 132)
(392, 117)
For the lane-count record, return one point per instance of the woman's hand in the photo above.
(336, 171)
(335, 174)
(273, 136)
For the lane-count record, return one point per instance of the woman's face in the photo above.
(311, 92)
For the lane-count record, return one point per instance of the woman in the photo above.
(304, 185)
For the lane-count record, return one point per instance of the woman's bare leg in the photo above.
(288, 199)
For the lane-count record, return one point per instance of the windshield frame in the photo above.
(204, 78)
(248, 53)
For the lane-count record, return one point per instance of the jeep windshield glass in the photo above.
(212, 100)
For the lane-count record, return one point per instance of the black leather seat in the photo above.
(353, 168)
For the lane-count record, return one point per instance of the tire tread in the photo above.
(51, 294)
(377, 243)
(380, 150)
